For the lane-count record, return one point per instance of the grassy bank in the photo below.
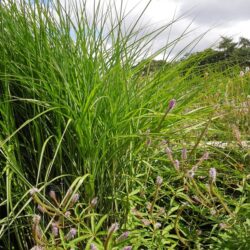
(97, 155)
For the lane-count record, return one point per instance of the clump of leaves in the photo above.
(233, 237)
(70, 223)
(185, 207)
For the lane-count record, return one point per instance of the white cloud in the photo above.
(228, 18)
(214, 11)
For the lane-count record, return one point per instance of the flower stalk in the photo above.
(170, 107)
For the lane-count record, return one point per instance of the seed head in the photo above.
(135, 212)
(41, 208)
(157, 225)
(148, 206)
(242, 73)
(33, 191)
(52, 194)
(163, 143)
(169, 153)
(75, 198)
(37, 248)
(171, 104)
(205, 156)
(161, 211)
(148, 142)
(159, 180)
(71, 234)
(212, 174)
(177, 165)
(54, 229)
(194, 168)
(113, 228)
(168, 150)
(36, 219)
(213, 211)
(146, 222)
(67, 214)
(223, 225)
(93, 202)
(184, 154)
(123, 236)
(127, 248)
(190, 174)
(196, 198)
(198, 232)
(93, 246)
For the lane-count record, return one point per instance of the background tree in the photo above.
(226, 44)
(244, 43)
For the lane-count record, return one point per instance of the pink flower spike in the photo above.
(41, 208)
(148, 206)
(113, 228)
(157, 225)
(93, 202)
(190, 174)
(71, 234)
(93, 247)
(212, 174)
(36, 219)
(177, 165)
(52, 194)
(75, 198)
(168, 150)
(33, 191)
(123, 236)
(184, 154)
(37, 248)
(146, 222)
(171, 104)
(127, 248)
(159, 180)
(67, 214)
(205, 156)
(54, 229)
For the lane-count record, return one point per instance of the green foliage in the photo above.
(80, 115)
(227, 54)
(68, 223)
(234, 237)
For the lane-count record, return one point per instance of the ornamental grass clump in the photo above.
(74, 100)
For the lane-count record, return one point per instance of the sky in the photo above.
(203, 21)
(214, 17)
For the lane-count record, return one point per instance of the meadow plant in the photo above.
(67, 222)
(76, 101)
